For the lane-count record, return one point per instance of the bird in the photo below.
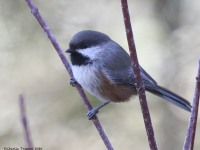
(104, 69)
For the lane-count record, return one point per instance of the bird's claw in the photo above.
(73, 82)
(91, 113)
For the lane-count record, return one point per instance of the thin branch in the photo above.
(35, 12)
(190, 136)
(136, 70)
(27, 135)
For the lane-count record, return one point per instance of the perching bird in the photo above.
(103, 68)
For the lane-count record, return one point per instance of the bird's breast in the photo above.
(96, 83)
(87, 77)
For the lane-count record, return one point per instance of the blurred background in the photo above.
(167, 38)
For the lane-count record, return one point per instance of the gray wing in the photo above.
(116, 65)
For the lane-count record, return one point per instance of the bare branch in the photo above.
(27, 134)
(136, 70)
(190, 136)
(35, 12)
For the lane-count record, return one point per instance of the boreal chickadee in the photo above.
(103, 68)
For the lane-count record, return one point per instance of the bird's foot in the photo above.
(73, 82)
(92, 113)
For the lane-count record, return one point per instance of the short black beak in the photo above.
(69, 51)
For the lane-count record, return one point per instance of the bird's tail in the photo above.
(170, 96)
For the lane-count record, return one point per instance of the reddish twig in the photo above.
(190, 136)
(136, 70)
(27, 135)
(35, 12)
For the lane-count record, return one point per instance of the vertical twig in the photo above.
(27, 135)
(35, 12)
(136, 70)
(190, 136)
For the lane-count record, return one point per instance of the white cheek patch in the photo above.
(91, 52)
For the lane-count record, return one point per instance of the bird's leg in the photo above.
(91, 113)
(94, 111)
(73, 81)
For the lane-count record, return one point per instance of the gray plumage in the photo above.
(94, 49)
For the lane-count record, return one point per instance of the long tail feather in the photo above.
(170, 96)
